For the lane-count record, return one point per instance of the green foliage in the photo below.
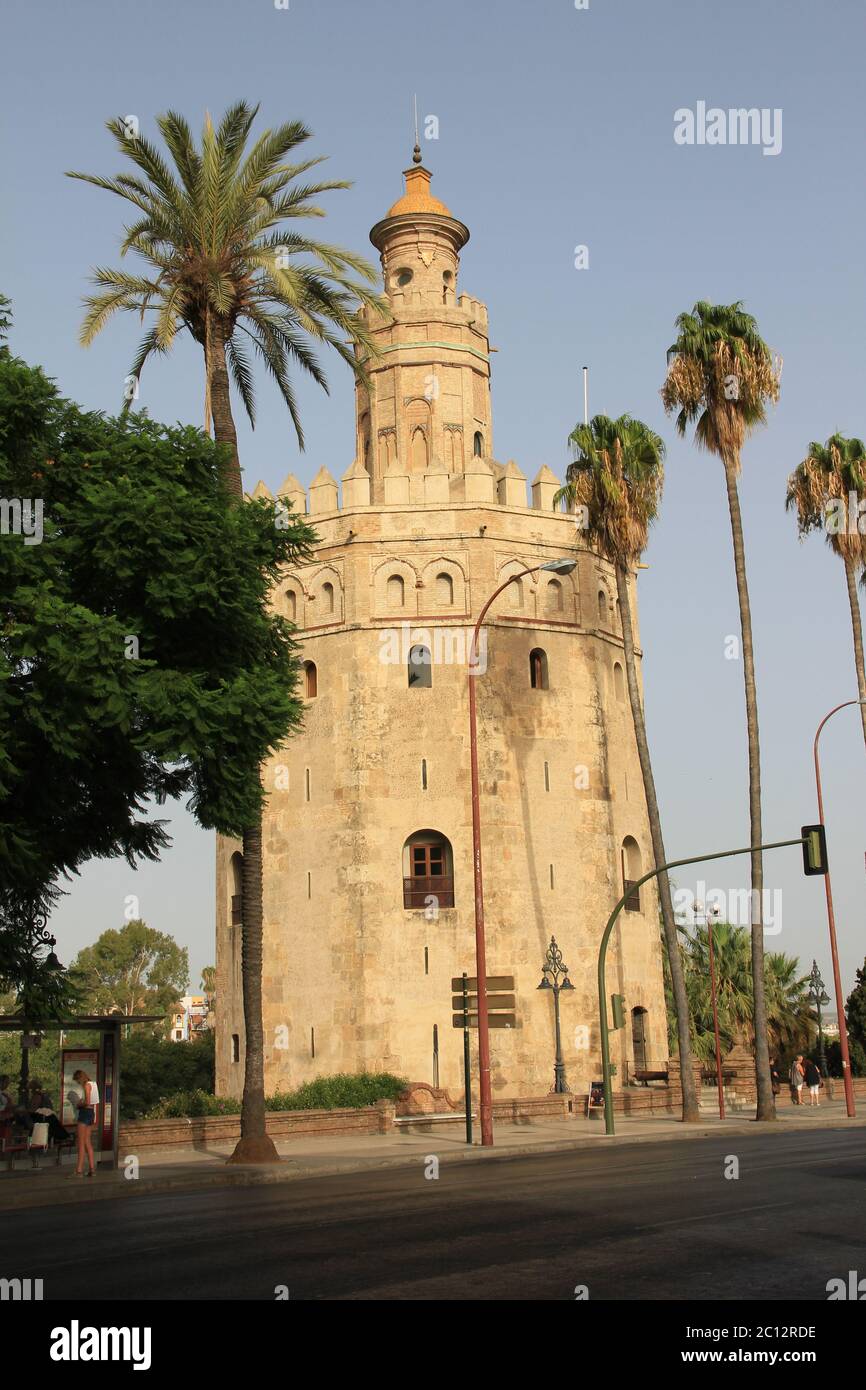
(190, 1104)
(209, 224)
(343, 1091)
(152, 1067)
(140, 542)
(789, 1015)
(617, 475)
(855, 1010)
(856, 1053)
(136, 970)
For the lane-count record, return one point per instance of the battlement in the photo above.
(484, 481)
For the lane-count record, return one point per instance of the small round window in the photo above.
(404, 277)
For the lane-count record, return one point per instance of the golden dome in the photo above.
(418, 197)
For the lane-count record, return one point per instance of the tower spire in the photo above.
(416, 153)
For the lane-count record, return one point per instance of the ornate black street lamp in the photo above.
(554, 975)
(816, 992)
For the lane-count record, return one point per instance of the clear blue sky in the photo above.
(556, 129)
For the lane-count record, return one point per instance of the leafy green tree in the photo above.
(721, 377)
(154, 1068)
(820, 490)
(227, 270)
(617, 476)
(136, 970)
(138, 655)
(855, 1009)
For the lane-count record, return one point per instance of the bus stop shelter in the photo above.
(101, 1061)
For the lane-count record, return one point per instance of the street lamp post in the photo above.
(831, 922)
(485, 1098)
(709, 914)
(817, 992)
(554, 976)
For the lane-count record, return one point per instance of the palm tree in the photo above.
(721, 376)
(820, 488)
(617, 476)
(224, 269)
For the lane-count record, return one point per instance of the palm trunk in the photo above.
(691, 1110)
(766, 1109)
(221, 409)
(254, 1146)
(857, 627)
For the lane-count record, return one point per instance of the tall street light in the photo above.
(816, 991)
(554, 975)
(831, 922)
(563, 566)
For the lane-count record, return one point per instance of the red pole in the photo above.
(831, 921)
(485, 1103)
(716, 1021)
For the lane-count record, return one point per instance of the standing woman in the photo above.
(86, 1120)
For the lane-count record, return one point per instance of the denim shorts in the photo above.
(86, 1115)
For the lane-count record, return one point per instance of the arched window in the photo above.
(444, 590)
(236, 883)
(291, 605)
(396, 591)
(311, 680)
(428, 872)
(327, 598)
(515, 593)
(420, 668)
(618, 683)
(639, 1039)
(602, 606)
(538, 669)
(478, 444)
(419, 450)
(553, 596)
(632, 870)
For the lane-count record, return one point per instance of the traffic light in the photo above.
(814, 849)
(617, 1001)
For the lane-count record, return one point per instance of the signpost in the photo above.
(500, 1014)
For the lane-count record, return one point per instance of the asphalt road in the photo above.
(642, 1221)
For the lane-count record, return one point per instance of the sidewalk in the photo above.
(177, 1168)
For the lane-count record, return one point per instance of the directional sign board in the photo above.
(494, 1002)
(493, 1020)
(494, 982)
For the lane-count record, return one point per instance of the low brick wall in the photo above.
(281, 1124)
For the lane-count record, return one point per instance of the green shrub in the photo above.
(344, 1091)
(190, 1104)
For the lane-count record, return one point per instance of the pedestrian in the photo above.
(775, 1078)
(6, 1102)
(813, 1081)
(42, 1112)
(798, 1076)
(87, 1109)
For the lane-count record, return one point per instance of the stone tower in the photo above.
(368, 889)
